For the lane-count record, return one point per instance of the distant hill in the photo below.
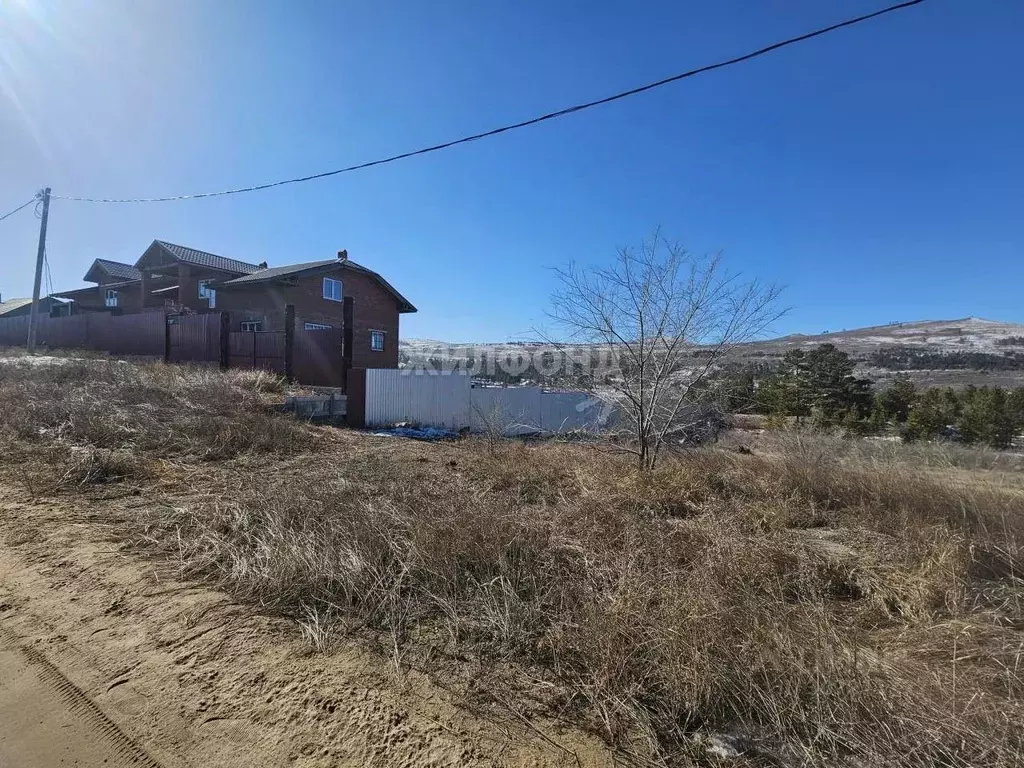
(970, 350)
(956, 353)
(969, 333)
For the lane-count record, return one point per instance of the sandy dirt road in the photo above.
(181, 675)
(46, 721)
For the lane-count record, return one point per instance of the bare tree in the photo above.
(496, 423)
(666, 321)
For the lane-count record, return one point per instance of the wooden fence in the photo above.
(313, 357)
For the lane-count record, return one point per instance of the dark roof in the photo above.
(204, 259)
(313, 267)
(288, 270)
(92, 288)
(115, 269)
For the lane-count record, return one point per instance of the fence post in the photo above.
(167, 338)
(355, 398)
(89, 334)
(289, 341)
(225, 339)
(347, 339)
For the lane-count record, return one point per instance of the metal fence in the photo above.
(317, 356)
(453, 402)
(139, 334)
(312, 357)
(194, 338)
(258, 349)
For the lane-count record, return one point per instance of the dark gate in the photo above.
(194, 338)
(318, 358)
(258, 349)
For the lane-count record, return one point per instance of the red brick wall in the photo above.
(373, 309)
(128, 299)
(188, 285)
(105, 278)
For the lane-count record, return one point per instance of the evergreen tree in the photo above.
(928, 416)
(788, 392)
(740, 392)
(838, 397)
(896, 400)
(987, 418)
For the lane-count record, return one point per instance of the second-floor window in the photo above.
(315, 327)
(110, 298)
(207, 292)
(377, 341)
(332, 289)
(252, 325)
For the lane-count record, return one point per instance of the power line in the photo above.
(49, 277)
(524, 123)
(25, 205)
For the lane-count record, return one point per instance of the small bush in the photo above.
(93, 466)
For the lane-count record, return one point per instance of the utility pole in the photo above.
(33, 320)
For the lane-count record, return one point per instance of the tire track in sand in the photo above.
(122, 749)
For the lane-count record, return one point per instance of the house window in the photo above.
(110, 298)
(252, 325)
(207, 292)
(316, 327)
(377, 341)
(332, 289)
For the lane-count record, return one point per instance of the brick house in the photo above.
(316, 289)
(111, 278)
(254, 295)
(166, 274)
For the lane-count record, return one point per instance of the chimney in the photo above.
(343, 255)
(262, 265)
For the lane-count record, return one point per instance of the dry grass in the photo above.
(157, 410)
(820, 612)
(818, 603)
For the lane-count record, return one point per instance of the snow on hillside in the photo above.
(967, 334)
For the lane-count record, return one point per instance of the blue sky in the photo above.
(876, 172)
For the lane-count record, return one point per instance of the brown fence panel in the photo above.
(257, 349)
(242, 349)
(63, 332)
(138, 334)
(317, 359)
(141, 334)
(14, 331)
(270, 351)
(99, 332)
(194, 338)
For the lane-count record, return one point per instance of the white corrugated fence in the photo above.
(449, 400)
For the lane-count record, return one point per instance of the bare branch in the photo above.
(656, 309)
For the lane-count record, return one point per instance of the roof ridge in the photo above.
(274, 273)
(168, 245)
